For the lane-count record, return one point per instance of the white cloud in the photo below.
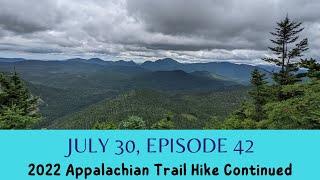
(191, 31)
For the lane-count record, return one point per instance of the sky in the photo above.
(139, 30)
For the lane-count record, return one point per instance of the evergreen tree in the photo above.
(133, 122)
(286, 50)
(258, 94)
(313, 68)
(18, 108)
(166, 123)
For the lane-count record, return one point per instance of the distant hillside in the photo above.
(210, 75)
(188, 110)
(178, 80)
(237, 72)
(56, 102)
(72, 74)
(102, 62)
(10, 60)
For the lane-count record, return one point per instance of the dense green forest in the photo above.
(185, 110)
(73, 108)
(165, 94)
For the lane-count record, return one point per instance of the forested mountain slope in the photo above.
(188, 110)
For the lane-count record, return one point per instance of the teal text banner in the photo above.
(196, 154)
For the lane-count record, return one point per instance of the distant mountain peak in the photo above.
(125, 63)
(96, 60)
(76, 60)
(167, 61)
(147, 62)
(165, 64)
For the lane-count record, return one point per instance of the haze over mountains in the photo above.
(239, 73)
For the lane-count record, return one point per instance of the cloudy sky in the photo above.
(187, 30)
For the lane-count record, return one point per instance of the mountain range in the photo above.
(71, 87)
(239, 73)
